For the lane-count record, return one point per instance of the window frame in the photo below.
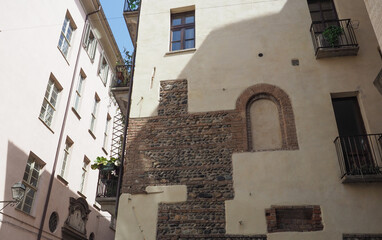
(182, 28)
(105, 134)
(322, 11)
(66, 157)
(32, 161)
(85, 167)
(103, 69)
(52, 86)
(78, 92)
(90, 44)
(94, 113)
(64, 38)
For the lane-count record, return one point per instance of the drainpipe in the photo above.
(127, 116)
(63, 129)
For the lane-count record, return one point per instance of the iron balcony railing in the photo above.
(107, 183)
(122, 76)
(359, 155)
(322, 37)
(131, 5)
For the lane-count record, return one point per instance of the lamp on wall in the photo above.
(18, 191)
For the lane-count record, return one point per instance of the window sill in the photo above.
(59, 177)
(92, 134)
(76, 113)
(81, 194)
(25, 213)
(104, 150)
(46, 125)
(63, 55)
(183, 51)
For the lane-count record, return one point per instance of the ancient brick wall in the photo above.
(362, 237)
(178, 148)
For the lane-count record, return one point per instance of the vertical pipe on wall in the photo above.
(40, 230)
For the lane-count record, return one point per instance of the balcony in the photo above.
(360, 158)
(334, 38)
(130, 13)
(120, 86)
(107, 190)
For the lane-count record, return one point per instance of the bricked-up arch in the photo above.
(286, 116)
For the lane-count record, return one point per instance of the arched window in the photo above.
(264, 124)
(269, 118)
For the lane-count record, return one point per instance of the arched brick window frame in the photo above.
(283, 103)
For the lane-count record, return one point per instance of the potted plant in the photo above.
(105, 164)
(332, 34)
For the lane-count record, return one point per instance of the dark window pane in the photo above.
(176, 21)
(189, 33)
(316, 16)
(330, 15)
(176, 36)
(326, 5)
(175, 46)
(190, 19)
(189, 44)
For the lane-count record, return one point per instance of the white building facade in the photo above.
(51, 50)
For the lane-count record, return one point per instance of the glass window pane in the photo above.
(175, 46)
(176, 35)
(190, 19)
(176, 21)
(189, 33)
(189, 44)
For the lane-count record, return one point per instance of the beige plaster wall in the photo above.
(226, 62)
(29, 55)
(374, 8)
(138, 214)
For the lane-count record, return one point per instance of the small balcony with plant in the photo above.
(130, 13)
(120, 85)
(334, 38)
(360, 158)
(107, 182)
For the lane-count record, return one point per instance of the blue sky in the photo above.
(114, 14)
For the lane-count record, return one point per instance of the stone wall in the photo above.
(177, 148)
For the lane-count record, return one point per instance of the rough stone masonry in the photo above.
(178, 148)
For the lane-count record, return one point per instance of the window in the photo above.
(84, 171)
(105, 135)
(322, 10)
(65, 159)
(182, 31)
(66, 35)
(90, 42)
(103, 69)
(78, 96)
(30, 180)
(50, 100)
(94, 113)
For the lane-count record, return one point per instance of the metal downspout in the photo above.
(40, 230)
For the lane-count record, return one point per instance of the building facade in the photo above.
(57, 60)
(253, 120)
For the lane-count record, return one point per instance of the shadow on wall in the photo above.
(20, 225)
(195, 149)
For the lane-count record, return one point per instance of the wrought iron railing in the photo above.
(131, 5)
(107, 183)
(346, 38)
(359, 155)
(122, 76)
